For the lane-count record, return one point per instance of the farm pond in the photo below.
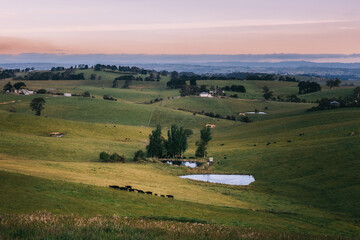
(240, 180)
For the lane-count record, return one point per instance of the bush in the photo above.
(139, 156)
(104, 156)
(41, 91)
(117, 158)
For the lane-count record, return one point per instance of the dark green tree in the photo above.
(176, 144)
(7, 87)
(86, 94)
(156, 143)
(139, 156)
(357, 92)
(18, 85)
(205, 137)
(37, 105)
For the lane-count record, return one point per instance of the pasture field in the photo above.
(305, 164)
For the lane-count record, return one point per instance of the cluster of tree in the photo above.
(108, 97)
(333, 83)
(234, 96)
(8, 73)
(156, 100)
(308, 87)
(290, 98)
(357, 92)
(216, 115)
(174, 146)
(106, 157)
(264, 77)
(235, 88)
(331, 103)
(17, 86)
(287, 79)
(267, 94)
(67, 75)
(101, 67)
(53, 69)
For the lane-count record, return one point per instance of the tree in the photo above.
(267, 93)
(176, 143)
(156, 143)
(357, 92)
(139, 156)
(333, 83)
(86, 94)
(308, 87)
(37, 105)
(18, 85)
(8, 87)
(205, 137)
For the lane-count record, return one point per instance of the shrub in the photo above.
(104, 156)
(41, 91)
(139, 156)
(117, 158)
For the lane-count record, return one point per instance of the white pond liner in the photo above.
(224, 179)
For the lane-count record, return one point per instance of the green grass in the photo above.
(307, 186)
(59, 197)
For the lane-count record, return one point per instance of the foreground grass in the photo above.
(58, 197)
(43, 225)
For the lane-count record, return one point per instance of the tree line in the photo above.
(176, 143)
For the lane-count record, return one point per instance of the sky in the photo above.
(180, 27)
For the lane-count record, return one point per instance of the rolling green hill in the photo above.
(305, 164)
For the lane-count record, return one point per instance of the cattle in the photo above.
(128, 186)
(131, 190)
(225, 157)
(254, 145)
(162, 195)
(155, 194)
(170, 196)
(301, 134)
(148, 193)
(289, 141)
(114, 187)
(123, 188)
(274, 142)
(268, 144)
(140, 191)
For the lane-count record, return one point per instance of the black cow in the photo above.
(148, 193)
(289, 141)
(128, 186)
(140, 191)
(123, 188)
(170, 196)
(155, 194)
(114, 186)
(162, 195)
(131, 190)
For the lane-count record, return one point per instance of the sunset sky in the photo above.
(180, 27)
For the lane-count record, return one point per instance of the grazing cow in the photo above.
(254, 145)
(131, 190)
(289, 141)
(162, 195)
(170, 196)
(114, 187)
(148, 193)
(274, 142)
(155, 194)
(140, 191)
(268, 144)
(128, 186)
(123, 188)
(222, 144)
(225, 157)
(301, 134)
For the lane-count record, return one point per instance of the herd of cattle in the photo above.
(130, 189)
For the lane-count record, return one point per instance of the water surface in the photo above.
(221, 178)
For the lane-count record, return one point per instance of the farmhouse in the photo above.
(205, 94)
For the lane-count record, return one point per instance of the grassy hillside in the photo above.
(305, 163)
